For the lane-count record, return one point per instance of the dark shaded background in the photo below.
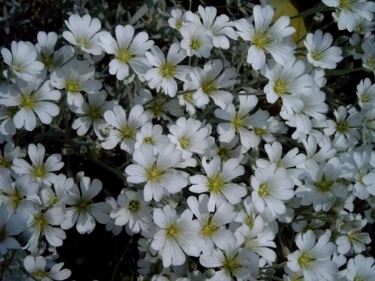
(100, 255)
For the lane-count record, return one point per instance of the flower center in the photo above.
(39, 171)
(324, 185)
(184, 142)
(263, 190)
(127, 132)
(172, 231)
(28, 100)
(178, 24)
(305, 259)
(124, 55)
(83, 205)
(84, 41)
(149, 140)
(5, 162)
(15, 198)
(249, 221)
(231, 264)
(17, 67)
(195, 44)
(215, 184)
(260, 40)
(224, 153)
(345, 4)
(72, 85)
(188, 96)
(209, 87)
(365, 98)
(167, 70)
(154, 174)
(39, 221)
(316, 55)
(209, 228)
(133, 206)
(342, 126)
(259, 132)
(157, 107)
(358, 278)
(39, 275)
(94, 112)
(280, 87)
(47, 59)
(237, 122)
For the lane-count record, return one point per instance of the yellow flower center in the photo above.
(172, 231)
(342, 126)
(154, 174)
(28, 100)
(237, 122)
(259, 132)
(94, 112)
(124, 55)
(260, 40)
(209, 228)
(184, 142)
(345, 4)
(249, 221)
(188, 96)
(72, 85)
(263, 190)
(209, 87)
(316, 55)
(15, 199)
(39, 171)
(17, 67)
(324, 185)
(178, 24)
(280, 87)
(215, 184)
(231, 264)
(39, 221)
(84, 42)
(83, 205)
(157, 107)
(133, 206)
(305, 260)
(195, 44)
(223, 153)
(47, 60)
(5, 162)
(167, 70)
(149, 140)
(127, 132)
(365, 98)
(39, 275)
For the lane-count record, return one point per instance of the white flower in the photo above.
(129, 50)
(31, 99)
(176, 20)
(10, 226)
(56, 196)
(319, 50)
(287, 81)
(124, 128)
(176, 236)
(209, 82)
(157, 171)
(350, 12)
(219, 28)
(366, 94)
(368, 56)
(212, 229)
(266, 38)
(360, 268)
(9, 153)
(166, 69)
(83, 211)
(91, 114)
(218, 183)
(42, 224)
(195, 41)
(46, 49)
(17, 195)
(76, 77)
(22, 60)
(84, 33)
(190, 136)
(40, 170)
(272, 187)
(36, 267)
(313, 258)
(239, 122)
(132, 211)
(152, 136)
(233, 263)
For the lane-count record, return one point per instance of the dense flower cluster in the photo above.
(240, 162)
